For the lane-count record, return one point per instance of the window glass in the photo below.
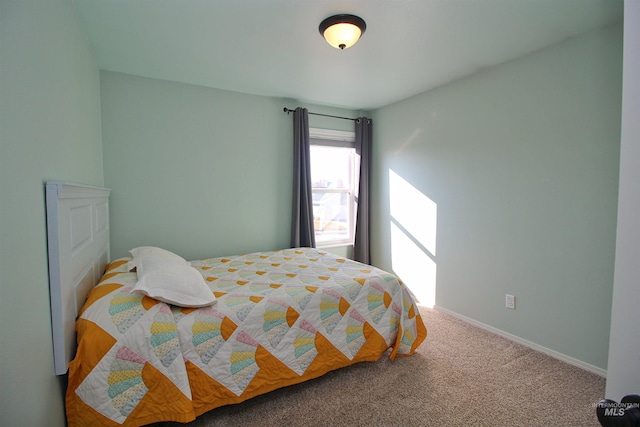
(332, 183)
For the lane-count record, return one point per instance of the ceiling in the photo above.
(274, 48)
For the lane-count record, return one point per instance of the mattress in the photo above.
(280, 318)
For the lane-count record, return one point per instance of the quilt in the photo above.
(280, 318)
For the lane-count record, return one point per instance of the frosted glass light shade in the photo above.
(342, 31)
(342, 36)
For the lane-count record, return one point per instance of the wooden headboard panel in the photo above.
(78, 245)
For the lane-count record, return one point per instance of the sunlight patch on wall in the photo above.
(413, 228)
(416, 269)
(414, 211)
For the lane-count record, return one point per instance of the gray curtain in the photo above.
(361, 248)
(302, 232)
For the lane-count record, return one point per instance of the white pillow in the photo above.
(151, 251)
(172, 281)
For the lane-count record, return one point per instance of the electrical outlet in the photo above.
(510, 301)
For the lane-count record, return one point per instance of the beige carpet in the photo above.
(460, 376)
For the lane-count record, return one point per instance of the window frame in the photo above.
(338, 139)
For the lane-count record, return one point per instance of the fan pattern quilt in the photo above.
(280, 318)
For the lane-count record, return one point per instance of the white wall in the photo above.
(49, 129)
(623, 374)
(506, 182)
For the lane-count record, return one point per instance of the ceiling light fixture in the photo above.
(342, 31)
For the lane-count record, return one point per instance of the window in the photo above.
(333, 178)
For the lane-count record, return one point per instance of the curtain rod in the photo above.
(288, 110)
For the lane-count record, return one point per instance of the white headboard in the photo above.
(78, 242)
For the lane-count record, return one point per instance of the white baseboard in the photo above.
(570, 360)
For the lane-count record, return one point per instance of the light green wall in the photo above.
(49, 129)
(521, 161)
(200, 171)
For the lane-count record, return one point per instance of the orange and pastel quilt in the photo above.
(280, 318)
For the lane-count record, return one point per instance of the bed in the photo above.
(278, 318)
